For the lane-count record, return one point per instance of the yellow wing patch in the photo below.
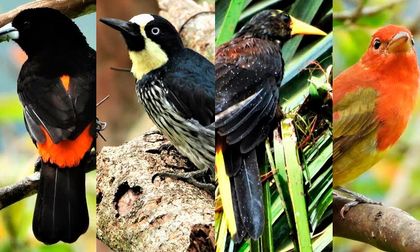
(225, 192)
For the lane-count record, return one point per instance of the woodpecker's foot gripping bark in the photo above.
(190, 178)
(167, 147)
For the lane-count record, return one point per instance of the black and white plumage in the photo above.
(180, 109)
(175, 85)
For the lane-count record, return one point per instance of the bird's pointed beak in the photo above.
(401, 42)
(300, 27)
(8, 32)
(119, 25)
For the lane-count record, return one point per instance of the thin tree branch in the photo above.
(386, 228)
(29, 185)
(70, 8)
(22, 189)
(362, 11)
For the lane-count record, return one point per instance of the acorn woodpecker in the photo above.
(176, 86)
(249, 70)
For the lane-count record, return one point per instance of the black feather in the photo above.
(60, 210)
(248, 189)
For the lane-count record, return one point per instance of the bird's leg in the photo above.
(100, 126)
(357, 199)
(152, 132)
(189, 177)
(167, 147)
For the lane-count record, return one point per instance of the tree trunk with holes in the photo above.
(136, 214)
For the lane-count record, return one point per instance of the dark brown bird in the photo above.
(249, 70)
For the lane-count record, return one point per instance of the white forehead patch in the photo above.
(142, 19)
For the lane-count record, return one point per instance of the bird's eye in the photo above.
(285, 18)
(412, 41)
(26, 23)
(376, 43)
(155, 31)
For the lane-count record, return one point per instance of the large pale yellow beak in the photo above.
(400, 43)
(300, 27)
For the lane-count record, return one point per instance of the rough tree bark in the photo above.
(387, 228)
(136, 214)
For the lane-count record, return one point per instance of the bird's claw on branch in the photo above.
(152, 132)
(189, 177)
(357, 199)
(100, 125)
(167, 147)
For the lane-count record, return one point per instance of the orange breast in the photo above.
(67, 153)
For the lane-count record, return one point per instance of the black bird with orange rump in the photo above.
(56, 86)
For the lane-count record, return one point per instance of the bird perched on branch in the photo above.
(373, 101)
(56, 87)
(249, 70)
(176, 86)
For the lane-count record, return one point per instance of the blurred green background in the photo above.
(18, 154)
(394, 180)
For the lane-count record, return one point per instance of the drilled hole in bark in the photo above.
(201, 239)
(125, 197)
(99, 197)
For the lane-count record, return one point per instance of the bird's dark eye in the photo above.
(26, 23)
(412, 41)
(376, 43)
(285, 18)
(155, 30)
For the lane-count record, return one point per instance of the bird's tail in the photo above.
(60, 212)
(242, 196)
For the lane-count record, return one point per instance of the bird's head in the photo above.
(276, 25)
(150, 39)
(392, 46)
(40, 29)
(391, 40)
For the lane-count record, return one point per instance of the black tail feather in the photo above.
(247, 188)
(61, 211)
(241, 231)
